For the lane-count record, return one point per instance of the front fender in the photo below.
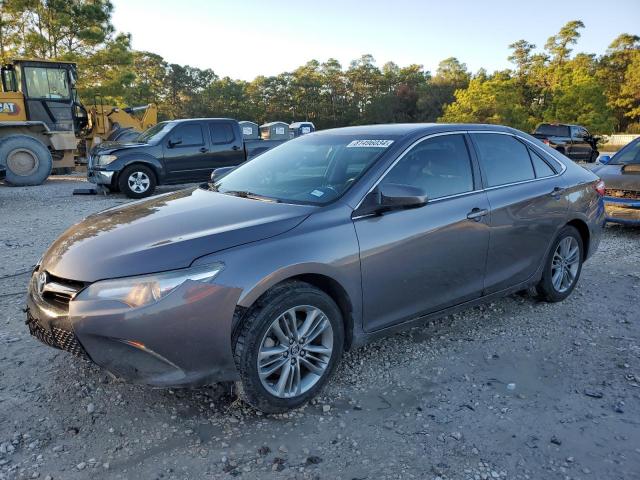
(325, 245)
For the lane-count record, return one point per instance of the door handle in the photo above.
(203, 149)
(235, 147)
(556, 192)
(477, 214)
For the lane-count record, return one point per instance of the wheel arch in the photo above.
(585, 235)
(327, 284)
(151, 163)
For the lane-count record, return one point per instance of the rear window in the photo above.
(553, 130)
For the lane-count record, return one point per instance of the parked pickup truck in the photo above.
(574, 141)
(177, 151)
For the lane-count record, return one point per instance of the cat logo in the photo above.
(9, 108)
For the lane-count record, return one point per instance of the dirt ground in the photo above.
(514, 389)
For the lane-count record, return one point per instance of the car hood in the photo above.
(106, 148)
(617, 178)
(165, 233)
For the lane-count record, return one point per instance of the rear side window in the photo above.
(541, 167)
(503, 158)
(440, 166)
(221, 133)
(187, 135)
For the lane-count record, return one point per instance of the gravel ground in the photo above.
(514, 389)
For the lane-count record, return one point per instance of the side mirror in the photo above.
(173, 143)
(604, 159)
(218, 173)
(392, 196)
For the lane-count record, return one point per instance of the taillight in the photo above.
(545, 141)
(599, 188)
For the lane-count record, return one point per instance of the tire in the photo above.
(27, 160)
(549, 289)
(127, 185)
(255, 332)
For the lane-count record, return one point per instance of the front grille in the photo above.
(56, 337)
(631, 194)
(59, 291)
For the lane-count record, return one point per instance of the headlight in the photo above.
(105, 159)
(146, 289)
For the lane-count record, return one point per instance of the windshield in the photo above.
(154, 133)
(314, 169)
(553, 130)
(48, 83)
(629, 154)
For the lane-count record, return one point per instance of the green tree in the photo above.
(496, 100)
(439, 91)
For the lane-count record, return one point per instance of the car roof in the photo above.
(402, 129)
(183, 120)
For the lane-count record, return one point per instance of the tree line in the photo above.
(550, 84)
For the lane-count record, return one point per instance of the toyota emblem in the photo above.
(41, 282)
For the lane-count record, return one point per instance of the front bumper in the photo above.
(100, 177)
(182, 340)
(622, 210)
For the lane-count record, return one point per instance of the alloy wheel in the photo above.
(565, 264)
(295, 351)
(138, 182)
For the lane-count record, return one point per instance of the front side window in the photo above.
(187, 135)
(313, 169)
(48, 83)
(441, 166)
(503, 159)
(629, 154)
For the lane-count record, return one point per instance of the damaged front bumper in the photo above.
(182, 340)
(100, 177)
(622, 210)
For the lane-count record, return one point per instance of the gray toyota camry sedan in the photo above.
(268, 273)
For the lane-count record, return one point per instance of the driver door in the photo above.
(421, 260)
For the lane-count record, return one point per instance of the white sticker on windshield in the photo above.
(370, 143)
(317, 193)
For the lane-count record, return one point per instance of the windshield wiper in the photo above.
(252, 196)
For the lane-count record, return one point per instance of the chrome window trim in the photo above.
(463, 132)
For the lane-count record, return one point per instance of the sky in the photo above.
(245, 38)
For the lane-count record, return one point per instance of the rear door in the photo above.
(525, 194)
(185, 152)
(421, 260)
(226, 148)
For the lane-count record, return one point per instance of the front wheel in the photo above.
(137, 181)
(562, 267)
(287, 346)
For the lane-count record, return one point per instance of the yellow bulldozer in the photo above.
(44, 127)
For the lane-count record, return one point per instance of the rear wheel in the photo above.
(287, 347)
(562, 267)
(27, 160)
(137, 181)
